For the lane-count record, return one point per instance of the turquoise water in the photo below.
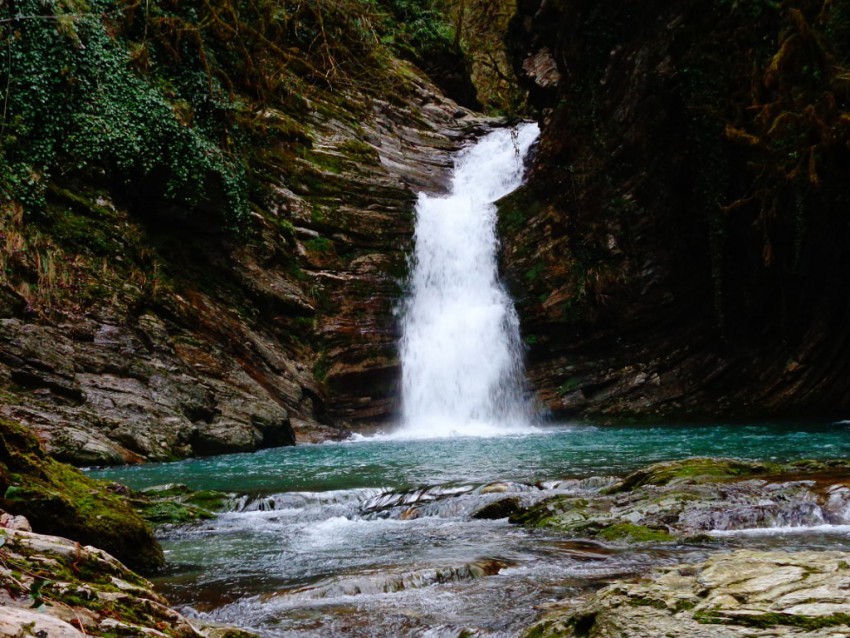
(554, 452)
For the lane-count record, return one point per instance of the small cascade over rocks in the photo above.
(394, 581)
(462, 370)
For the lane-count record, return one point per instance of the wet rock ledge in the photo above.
(55, 588)
(696, 502)
(740, 594)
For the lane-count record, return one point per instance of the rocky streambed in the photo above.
(699, 546)
(693, 547)
(776, 589)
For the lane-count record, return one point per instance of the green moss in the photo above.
(549, 629)
(172, 513)
(329, 162)
(359, 151)
(60, 500)
(706, 469)
(321, 367)
(772, 619)
(570, 385)
(632, 533)
(178, 505)
(515, 209)
(534, 273)
(647, 602)
(541, 514)
(320, 245)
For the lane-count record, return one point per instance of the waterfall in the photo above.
(462, 371)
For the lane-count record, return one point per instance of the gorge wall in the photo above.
(205, 219)
(681, 248)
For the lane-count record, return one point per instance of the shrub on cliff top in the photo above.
(164, 99)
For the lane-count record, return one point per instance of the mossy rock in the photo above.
(177, 504)
(812, 466)
(60, 500)
(541, 514)
(704, 469)
(631, 533)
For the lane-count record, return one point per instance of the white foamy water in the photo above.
(780, 531)
(462, 372)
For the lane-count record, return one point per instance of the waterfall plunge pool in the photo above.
(547, 452)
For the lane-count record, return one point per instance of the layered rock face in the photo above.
(681, 246)
(185, 341)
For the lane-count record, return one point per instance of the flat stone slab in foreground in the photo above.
(739, 594)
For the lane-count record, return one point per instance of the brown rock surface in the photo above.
(671, 255)
(189, 342)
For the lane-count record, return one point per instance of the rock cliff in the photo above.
(681, 246)
(137, 325)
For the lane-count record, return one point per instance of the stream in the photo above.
(375, 537)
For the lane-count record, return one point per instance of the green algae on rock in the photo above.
(176, 504)
(703, 469)
(60, 500)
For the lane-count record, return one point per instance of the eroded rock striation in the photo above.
(188, 341)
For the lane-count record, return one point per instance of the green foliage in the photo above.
(319, 245)
(480, 27)
(164, 100)
(73, 102)
(414, 27)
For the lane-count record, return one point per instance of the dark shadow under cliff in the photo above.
(681, 247)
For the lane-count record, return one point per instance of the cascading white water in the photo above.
(461, 353)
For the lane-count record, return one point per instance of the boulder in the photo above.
(59, 499)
